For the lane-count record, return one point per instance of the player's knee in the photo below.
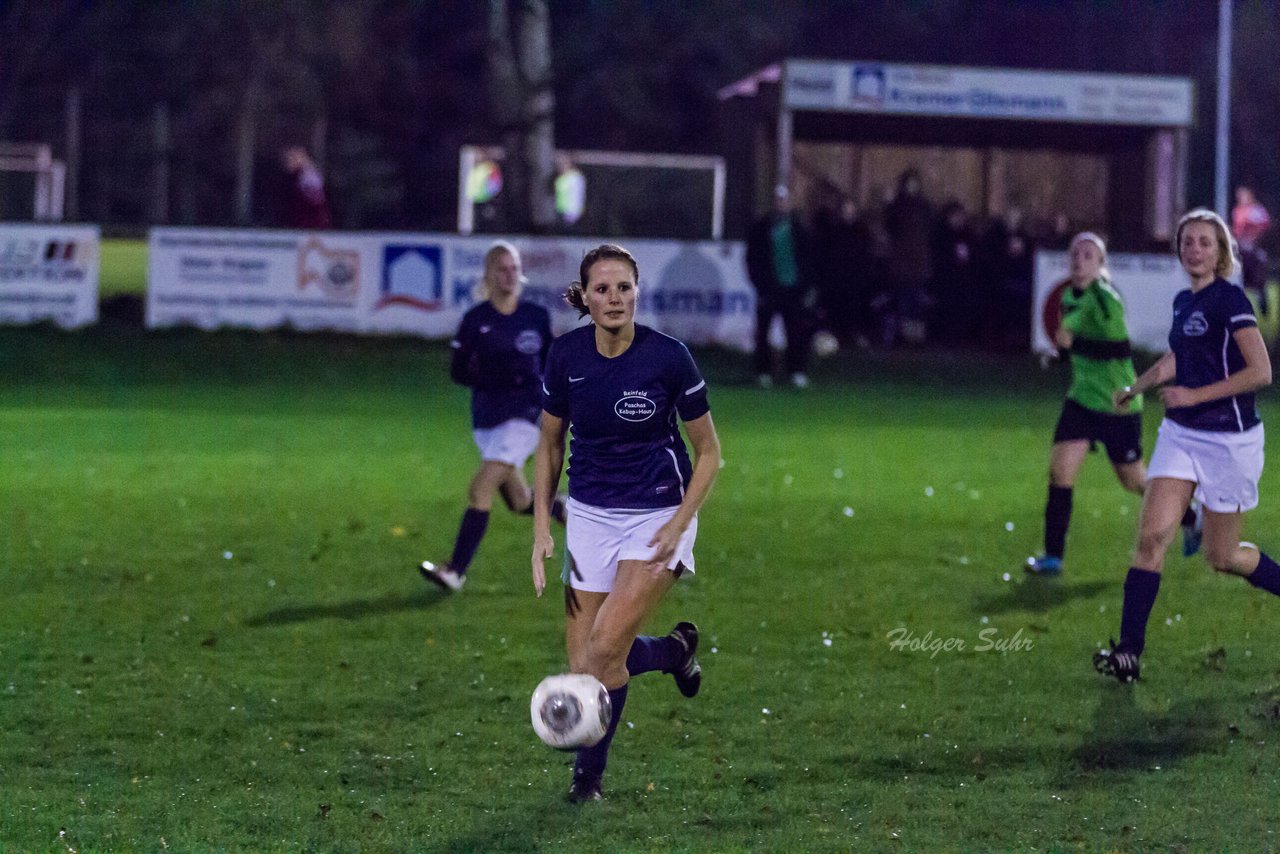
(1222, 558)
(1152, 544)
(606, 652)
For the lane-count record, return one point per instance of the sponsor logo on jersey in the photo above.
(635, 406)
(529, 342)
(1195, 325)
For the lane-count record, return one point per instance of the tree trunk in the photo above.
(538, 111)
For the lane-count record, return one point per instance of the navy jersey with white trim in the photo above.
(500, 358)
(1202, 340)
(625, 449)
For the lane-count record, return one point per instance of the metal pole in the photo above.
(73, 110)
(1222, 155)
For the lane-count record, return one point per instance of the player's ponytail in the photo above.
(576, 296)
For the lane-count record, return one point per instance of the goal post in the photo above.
(49, 177)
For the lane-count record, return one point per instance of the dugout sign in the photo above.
(49, 273)
(422, 284)
(1147, 284)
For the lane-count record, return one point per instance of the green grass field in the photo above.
(214, 636)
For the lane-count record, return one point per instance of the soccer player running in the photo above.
(633, 494)
(1210, 443)
(1093, 331)
(498, 353)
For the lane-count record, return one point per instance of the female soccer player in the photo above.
(1093, 330)
(1210, 443)
(499, 353)
(633, 495)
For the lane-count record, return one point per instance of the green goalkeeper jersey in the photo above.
(1100, 356)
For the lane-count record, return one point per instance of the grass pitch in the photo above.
(214, 636)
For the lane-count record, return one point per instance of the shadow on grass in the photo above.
(356, 609)
(1125, 738)
(1039, 595)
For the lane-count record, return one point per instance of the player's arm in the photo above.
(706, 465)
(462, 367)
(548, 462)
(1255, 374)
(1165, 369)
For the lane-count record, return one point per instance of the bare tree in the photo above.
(523, 105)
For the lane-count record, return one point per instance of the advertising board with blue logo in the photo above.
(939, 90)
(49, 273)
(422, 284)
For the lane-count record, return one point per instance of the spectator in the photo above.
(306, 205)
(1249, 221)
(954, 269)
(846, 258)
(570, 191)
(909, 221)
(778, 256)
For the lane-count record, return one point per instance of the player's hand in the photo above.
(664, 544)
(1178, 397)
(543, 546)
(1122, 397)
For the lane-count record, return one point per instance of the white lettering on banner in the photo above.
(421, 284)
(49, 273)
(988, 93)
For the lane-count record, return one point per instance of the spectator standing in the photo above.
(778, 258)
(846, 258)
(306, 203)
(1249, 221)
(909, 221)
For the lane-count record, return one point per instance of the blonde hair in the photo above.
(1090, 237)
(484, 288)
(1228, 253)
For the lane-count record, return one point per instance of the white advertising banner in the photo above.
(1146, 283)
(940, 90)
(421, 284)
(49, 273)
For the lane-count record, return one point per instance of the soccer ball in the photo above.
(570, 710)
(825, 344)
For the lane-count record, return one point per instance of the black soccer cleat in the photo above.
(1117, 662)
(688, 674)
(585, 788)
(443, 575)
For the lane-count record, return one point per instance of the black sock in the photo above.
(1188, 517)
(558, 509)
(1265, 577)
(591, 760)
(650, 653)
(1057, 518)
(470, 533)
(1140, 589)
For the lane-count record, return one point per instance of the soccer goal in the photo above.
(604, 192)
(30, 171)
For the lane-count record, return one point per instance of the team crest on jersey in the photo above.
(635, 406)
(1195, 325)
(529, 342)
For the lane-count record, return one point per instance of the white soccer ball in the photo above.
(825, 344)
(570, 710)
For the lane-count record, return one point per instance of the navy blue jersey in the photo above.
(1203, 343)
(625, 450)
(500, 357)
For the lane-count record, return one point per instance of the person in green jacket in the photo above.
(1093, 331)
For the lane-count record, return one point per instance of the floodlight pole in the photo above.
(1222, 158)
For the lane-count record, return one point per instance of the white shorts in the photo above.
(511, 442)
(596, 539)
(1225, 467)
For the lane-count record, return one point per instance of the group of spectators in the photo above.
(904, 272)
